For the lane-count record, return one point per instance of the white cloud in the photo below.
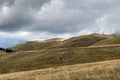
(5, 10)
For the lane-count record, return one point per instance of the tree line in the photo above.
(6, 50)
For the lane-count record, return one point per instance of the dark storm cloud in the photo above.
(17, 14)
(60, 16)
(7, 2)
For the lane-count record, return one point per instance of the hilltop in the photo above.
(78, 41)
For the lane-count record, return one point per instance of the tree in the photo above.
(2, 49)
(8, 50)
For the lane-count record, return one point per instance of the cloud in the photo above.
(18, 15)
(56, 18)
(6, 2)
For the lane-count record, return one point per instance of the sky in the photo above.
(44, 19)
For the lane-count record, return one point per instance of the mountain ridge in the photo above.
(77, 41)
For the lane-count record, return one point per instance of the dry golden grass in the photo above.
(3, 52)
(106, 70)
(39, 59)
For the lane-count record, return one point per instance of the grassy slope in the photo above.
(111, 40)
(50, 53)
(2, 53)
(29, 60)
(106, 70)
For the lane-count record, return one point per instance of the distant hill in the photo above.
(9, 42)
(79, 41)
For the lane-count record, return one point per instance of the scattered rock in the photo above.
(64, 57)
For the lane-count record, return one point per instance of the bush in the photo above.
(2, 49)
(8, 50)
